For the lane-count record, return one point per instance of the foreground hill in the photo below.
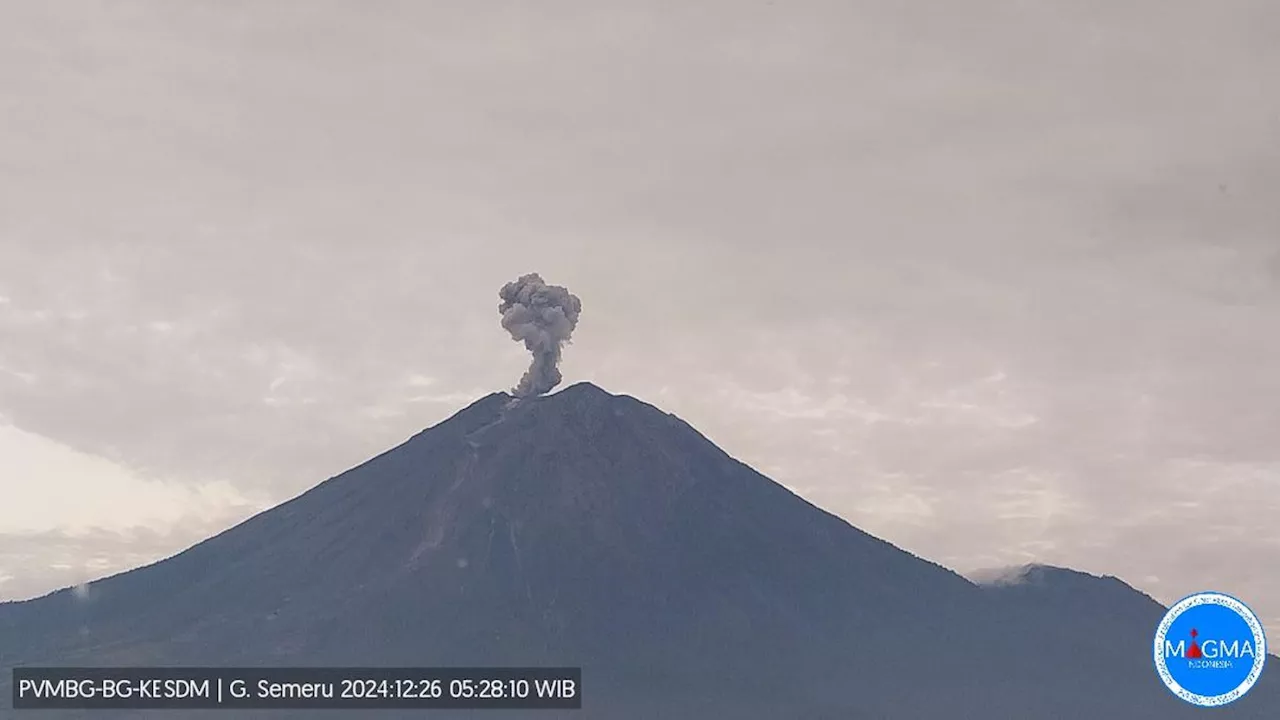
(594, 530)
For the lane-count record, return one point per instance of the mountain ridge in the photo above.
(586, 528)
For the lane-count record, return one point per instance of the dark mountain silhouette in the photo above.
(594, 530)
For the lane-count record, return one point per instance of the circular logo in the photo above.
(1210, 649)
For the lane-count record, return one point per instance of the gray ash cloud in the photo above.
(543, 317)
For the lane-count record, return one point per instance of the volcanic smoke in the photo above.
(543, 317)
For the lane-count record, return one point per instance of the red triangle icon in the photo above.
(1193, 652)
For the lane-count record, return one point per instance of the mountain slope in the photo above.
(590, 529)
(1103, 623)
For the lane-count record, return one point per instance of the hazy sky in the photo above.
(999, 284)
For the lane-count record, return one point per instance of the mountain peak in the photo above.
(585, 389)
(579, 396)
(1042, 576)
(584, 528)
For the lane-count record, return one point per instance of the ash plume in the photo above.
(543, 317)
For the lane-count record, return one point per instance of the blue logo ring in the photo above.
(1219, 674)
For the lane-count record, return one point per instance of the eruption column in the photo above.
(543, 317)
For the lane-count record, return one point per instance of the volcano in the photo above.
(594, 530)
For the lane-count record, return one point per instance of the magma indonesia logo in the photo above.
(1210, 649)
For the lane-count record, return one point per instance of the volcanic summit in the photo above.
(589, 529)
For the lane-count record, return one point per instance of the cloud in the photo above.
(48, 485)
(543, 317)
(34, 563)
(1012, 299)
(70, 517)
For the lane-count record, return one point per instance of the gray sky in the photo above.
(999, 284)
